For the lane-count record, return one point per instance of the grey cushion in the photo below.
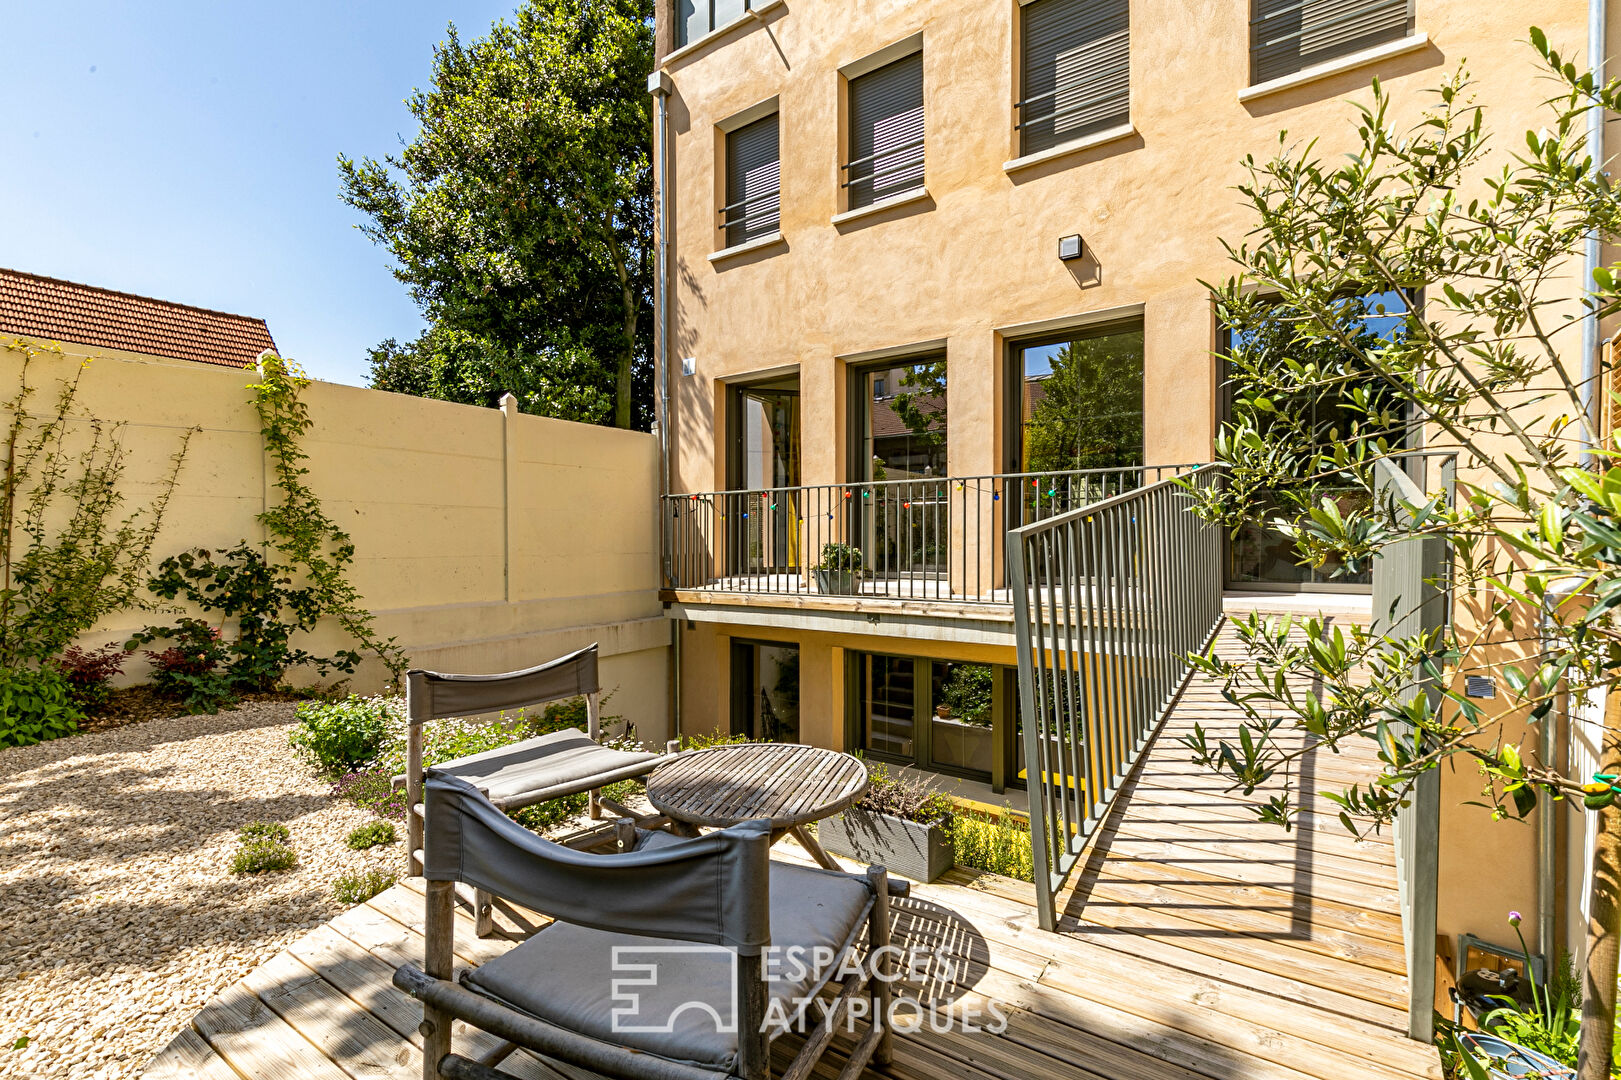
(565, 974)
(546, 767)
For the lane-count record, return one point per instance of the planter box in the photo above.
(838, 582)
(922, 852)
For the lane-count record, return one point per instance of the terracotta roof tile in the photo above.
(52, 310)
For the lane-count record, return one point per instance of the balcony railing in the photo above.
(920, 538)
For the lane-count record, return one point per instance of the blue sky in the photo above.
(186, 150)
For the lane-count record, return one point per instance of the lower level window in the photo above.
(765, 690)
(937, 714)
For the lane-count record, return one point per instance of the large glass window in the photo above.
(1082, 402)
(903, 421)
(937, 714)
(903, 522)
(1259, 555)
(765, 690)
(764, 455)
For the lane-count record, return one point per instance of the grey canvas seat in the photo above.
(546, 767)
(535, 770)
(653, 969)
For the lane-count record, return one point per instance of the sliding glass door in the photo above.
(763, 458)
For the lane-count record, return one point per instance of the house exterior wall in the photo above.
(484, 541)
(973, 265)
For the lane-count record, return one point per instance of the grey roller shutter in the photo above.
(886, 131)
(1077, 70)
(1289, 35)
(753, 182)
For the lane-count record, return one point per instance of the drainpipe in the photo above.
(660, 85)
(1547, 820)
(1591, 254)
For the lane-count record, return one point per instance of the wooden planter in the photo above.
(838, 582)
(922, 852)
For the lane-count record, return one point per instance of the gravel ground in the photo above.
(119, 918)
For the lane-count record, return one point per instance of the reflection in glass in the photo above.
(765, 681)
(1258, 553)
(960, 729)
(765, 455)
(890, 692)
(904, 525)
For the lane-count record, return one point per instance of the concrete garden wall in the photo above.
(485, 539)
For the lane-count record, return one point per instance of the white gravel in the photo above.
(119, 918)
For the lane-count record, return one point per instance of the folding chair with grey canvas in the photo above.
(524, 773)
(654, 968)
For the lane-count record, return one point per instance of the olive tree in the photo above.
(1426, 289)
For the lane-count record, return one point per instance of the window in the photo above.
(1081, 401)
(945, 715)
(886, 132)
(765, 690)
(1258, 555)
(753, 182)
(695, 18)
(1077, 71)
(1287, 36)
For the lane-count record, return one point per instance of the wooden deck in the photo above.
(1194, 944)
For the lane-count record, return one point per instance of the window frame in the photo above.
(1013, 376)
(1021, 127)
(1254, 28)
(853, 72)
(724, 132)
(1003, 704)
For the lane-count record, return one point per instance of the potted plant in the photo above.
(900, 823)
(839, 572)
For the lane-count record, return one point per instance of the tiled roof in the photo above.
(52, 310)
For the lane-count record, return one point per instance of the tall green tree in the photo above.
(520, 215)
(1090, 413)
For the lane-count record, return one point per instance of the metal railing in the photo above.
(933, 538)
(1109, 600)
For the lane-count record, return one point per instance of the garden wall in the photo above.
(485, 539)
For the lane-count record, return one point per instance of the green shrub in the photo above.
(359, 887)
(997, 844)
(904, 796)
(338, 736)
(36, 704)
(840, 558)
(714, 738)
(545, 815)
(258, 856)
(264, 830)
(967, 694)
(372, 789)
(371, 835)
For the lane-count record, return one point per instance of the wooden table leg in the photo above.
(808, 842)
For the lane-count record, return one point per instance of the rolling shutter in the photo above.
(886, 131)
(753, 182)
(1077, 70)
(1287, 36)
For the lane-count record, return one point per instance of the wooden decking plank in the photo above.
(1156, 989)
(347, 1035)
(405, 908)
(189, 1057)
(1103, 893)
(1279, 898)
(257, 1043)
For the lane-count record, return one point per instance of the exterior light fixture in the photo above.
(1070, 248)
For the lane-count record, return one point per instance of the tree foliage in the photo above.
(520, 215)
(1090, 411)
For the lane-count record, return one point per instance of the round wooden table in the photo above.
(789, 784)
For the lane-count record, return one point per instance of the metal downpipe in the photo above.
(660, 85)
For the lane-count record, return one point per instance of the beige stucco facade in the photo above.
(972, 266)
(486, 540)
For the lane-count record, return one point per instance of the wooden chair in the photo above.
(524, 773)
(696, 1010)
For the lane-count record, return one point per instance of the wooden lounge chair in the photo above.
(653, 967)
(525, 773)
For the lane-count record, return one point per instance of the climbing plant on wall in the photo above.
(312, 544)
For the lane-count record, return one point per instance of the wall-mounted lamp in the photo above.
(1070, 248)
(689, 365)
